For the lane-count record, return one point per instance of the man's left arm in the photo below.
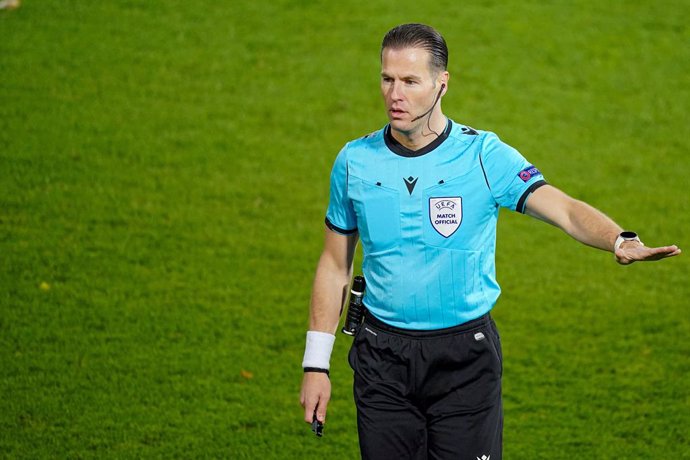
(590, 226)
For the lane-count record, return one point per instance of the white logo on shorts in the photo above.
(445, 214)
(484, 457)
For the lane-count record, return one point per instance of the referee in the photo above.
(423, 195)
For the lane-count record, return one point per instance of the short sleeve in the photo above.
(510, 177)
(340, 216)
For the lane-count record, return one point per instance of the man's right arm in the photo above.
(331, 284)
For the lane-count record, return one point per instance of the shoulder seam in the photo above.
(481, 163)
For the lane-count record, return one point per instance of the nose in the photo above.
(396, 93)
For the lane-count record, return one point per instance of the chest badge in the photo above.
(445, 214)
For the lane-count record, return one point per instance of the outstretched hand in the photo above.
(632, 251)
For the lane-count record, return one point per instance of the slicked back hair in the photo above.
(419, 36)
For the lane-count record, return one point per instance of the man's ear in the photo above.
(443, 78)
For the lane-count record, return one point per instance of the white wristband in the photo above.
(317, 353)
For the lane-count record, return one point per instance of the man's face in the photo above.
(409, 86)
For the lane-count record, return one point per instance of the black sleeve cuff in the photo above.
(336, 229)
(523, 199)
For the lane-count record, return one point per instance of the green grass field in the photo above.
(163, 180)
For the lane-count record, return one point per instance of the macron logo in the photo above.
(484, 457)
(410, 182)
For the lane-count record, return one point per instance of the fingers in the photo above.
(317, 405)
(671, 250)
(661, 252)
(309, 412)
(315, 395)
(309, 402)
(303, 400)
(626, 256)
(321, 410)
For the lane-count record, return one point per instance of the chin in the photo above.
(401, 125)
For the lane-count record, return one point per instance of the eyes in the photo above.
(406, 81)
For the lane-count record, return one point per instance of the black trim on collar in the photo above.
(399, 149)
(523, 199)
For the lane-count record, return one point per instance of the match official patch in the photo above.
(445, 214)
(528, 173)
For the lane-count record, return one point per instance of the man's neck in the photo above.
(425, 133)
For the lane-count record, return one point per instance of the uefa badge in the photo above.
(445, 214)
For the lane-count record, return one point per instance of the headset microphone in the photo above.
(438, 96)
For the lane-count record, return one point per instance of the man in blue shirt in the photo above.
(423, 195)
(434, 208)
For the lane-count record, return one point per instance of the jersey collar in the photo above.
(399, 149)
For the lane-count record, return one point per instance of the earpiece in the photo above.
(438, 96)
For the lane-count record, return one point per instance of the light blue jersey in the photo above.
(427, 221)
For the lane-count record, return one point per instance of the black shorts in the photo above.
(428, 394)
